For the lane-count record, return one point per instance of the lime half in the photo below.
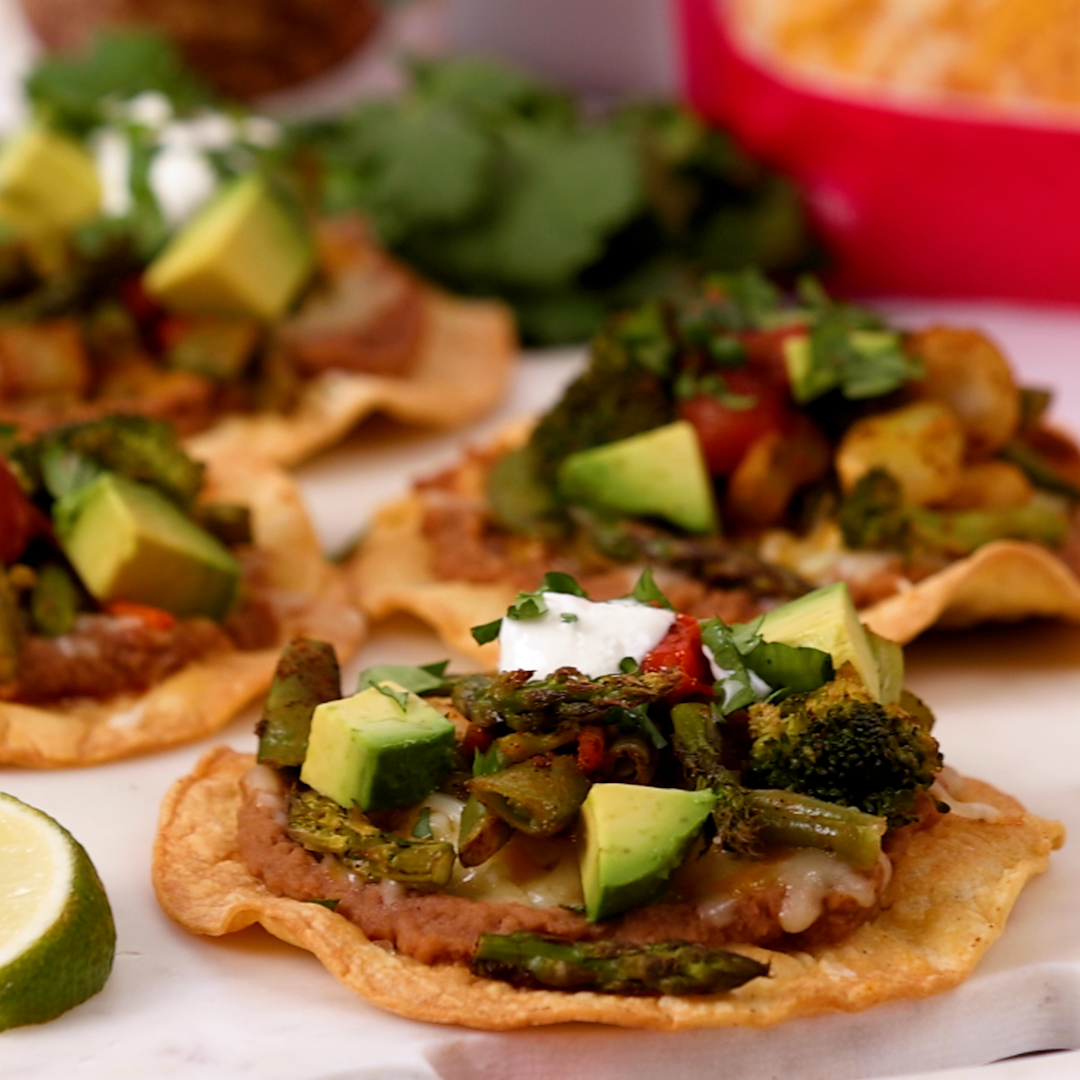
(57, 938)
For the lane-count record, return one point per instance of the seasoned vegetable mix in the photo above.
(749, 445)
(112, 572)
(680, 765)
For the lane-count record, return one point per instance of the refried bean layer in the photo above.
(438, 928)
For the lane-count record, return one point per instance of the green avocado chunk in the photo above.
(48, 183)
(826, 619)
(635, 836)
(242, 254)
(889, 657)
(660, 473)
(126, 541)
(378, 749)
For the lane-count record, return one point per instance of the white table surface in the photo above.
(249, 1006)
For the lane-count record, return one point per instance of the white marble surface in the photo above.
(248, 1006)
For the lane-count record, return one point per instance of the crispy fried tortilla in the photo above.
(947, 902)
(1005, 581)
(464, 360)
(308, 595)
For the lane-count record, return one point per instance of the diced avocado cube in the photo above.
(48, 183)
(826, 619)
(244, 253)
(127, 541)
(378, 749)
(890, 664)
(659, 473)
(635, 836)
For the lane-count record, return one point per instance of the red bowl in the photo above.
(912, 199)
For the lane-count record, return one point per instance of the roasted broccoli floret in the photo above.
(840, 745)
(137, 447)
(620, 394)
(874, 516)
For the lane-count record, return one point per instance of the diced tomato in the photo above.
(591, 748)
(20, 519)
(681, 649)
(153, 617)
(727, 432)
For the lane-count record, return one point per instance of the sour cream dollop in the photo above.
(588, 635)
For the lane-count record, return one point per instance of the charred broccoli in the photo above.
(840, 745)
(874, 516)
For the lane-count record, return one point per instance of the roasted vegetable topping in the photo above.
(670, 967)
(320, 825)
(840, 745)
(307, 675)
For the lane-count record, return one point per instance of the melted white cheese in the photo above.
(808, 878)
(973, 811)
(574, 632)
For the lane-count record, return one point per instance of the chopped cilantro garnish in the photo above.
(400, 696)
(646, 591)
(424, 679)
(486, 631)
(556, 581)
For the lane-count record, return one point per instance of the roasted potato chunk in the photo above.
(922, 445)
(966, 371)
(989, 484)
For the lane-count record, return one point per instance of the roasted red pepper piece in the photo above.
(476, 738)
(681, 649)
(591, 749)
(20, 519)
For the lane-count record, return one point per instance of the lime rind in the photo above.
(64, 953)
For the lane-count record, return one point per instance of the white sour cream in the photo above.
(574, 632)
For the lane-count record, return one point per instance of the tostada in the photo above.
(641, 819)
(144, 596)
(748, 447)
(155, 257)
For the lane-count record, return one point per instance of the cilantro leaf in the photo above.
(486, 632)
(648, 343)
(491, 760)
(425, 679)
(400, 696)
(738, 686)
(528, 605)
(531, 605)
(646, 591)
(558, 582)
